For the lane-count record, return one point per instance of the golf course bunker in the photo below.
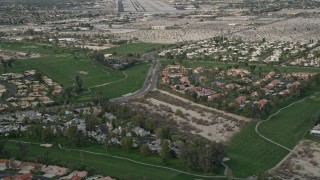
(83, 72)
(46, 145)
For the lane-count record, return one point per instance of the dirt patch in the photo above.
(193, 119)
(303, 163)
(98, 47)
(30, 47)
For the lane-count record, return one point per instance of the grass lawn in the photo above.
(134, 48)
(108, 165)
(63, 68)
(250, 154)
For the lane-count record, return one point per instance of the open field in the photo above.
(106, 165)
(250, 154)
(63, 67)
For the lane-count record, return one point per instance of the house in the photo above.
(270, 75)
(27, 176)
(198, 70)
(241, 99)
(302, 75)
(273, 83)
(284, 92)
(294, 84)
(234, 72)
(2, 89)
(57, 89)
(76, 175)
(46, 100)
(155, 146)
(160, 27)
(213, 96)
(140, 132)
(262, 103)
(315, 132)
(114, 140)
(254, 94)
(185, 80)
(109, 116)
(165, 80)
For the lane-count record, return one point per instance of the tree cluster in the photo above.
(206, 156)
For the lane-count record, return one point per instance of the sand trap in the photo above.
(27, 47)
(83, 72)
(46, 145)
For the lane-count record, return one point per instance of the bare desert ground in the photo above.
(303, 163)
(190, 117)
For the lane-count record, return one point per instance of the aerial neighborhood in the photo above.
(248, 92)
(159, 89)
(27, 90)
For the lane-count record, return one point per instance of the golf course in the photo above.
(63, 65)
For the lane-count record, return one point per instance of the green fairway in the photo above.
(292, 124)
(134, 48)
(250, 154)
(105, 165)
(63, 67)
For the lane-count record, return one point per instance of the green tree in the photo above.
(126, 143)
(229, 174)
(2, 146)
(145, 150)
(47, 135)
(75, 136)
(261, 176)
(79, 84)
(165, 151)
(4, 64)
(23, 149)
